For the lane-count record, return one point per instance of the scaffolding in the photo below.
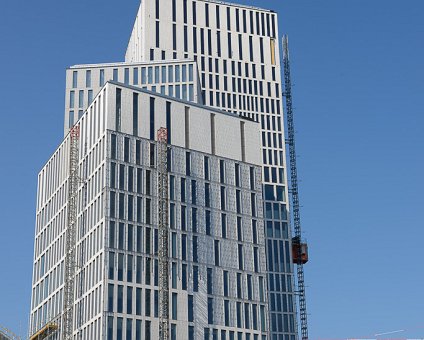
(162, 171)
(8, 334)
(298, 248)
(70, 251)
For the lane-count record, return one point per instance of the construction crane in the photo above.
(299, 249)
(70, 250)
(163, 251)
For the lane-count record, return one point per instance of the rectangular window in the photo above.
(143, 75)
(135, 75)
(193, 192)
(194, 13)
(120, 299)
(194, 39)
(240, 39)
(127, 76)
(240, 256)
(88, 78)
(138, 301)
(71, 118)
(195, 257)
(174, 306)
(118, 110)
(217, 256)
(157, 9)
(272, 47)
(210, 311)
(195, 278)
(135, 114)
(81, 99)
(224, 225)
(223, 198)
(110, 298)
(222, 171)
(90, 97)
(129, 328)
(74, 79)
(110, 328)
(102, 77)
(157, 34)
(152, 118)
(115, 74)
(119, 334)
(147, 335)
(147, 302)
(230, 49)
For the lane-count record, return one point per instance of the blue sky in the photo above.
(358, 75)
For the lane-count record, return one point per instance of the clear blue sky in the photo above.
(357, 66)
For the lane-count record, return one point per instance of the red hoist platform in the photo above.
(299, 251)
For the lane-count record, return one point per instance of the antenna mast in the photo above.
(299, 250)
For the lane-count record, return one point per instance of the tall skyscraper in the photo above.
(209, 72)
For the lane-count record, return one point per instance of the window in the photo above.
(240, 256)
(223, 198)
(88, 78)
(190, 309)
(135, 75)
(147, 304)
(188, 163)
(195, 278)
(110, 297)
(102, 77)
(193, 192)
(119, 322)
(74, 79)
(118, 110)
(222, 171)
(209, 280)
(152, 118)
(174, 306)
(157, 34)
(120, 299)
(195, 257)
(90, 97)
(115, 74)
(174, 36)
(194, 13)
(224, 225)
(135, 119)
(210, 311)
(217, 256)
(226, 313)
(207, 195)
(81, 99)
(71, 118)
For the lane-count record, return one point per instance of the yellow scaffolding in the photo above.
(44, 332)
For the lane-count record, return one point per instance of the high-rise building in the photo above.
(209, 72)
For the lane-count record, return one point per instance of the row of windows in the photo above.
(255, 45)
(130, 151)
(149, 75)
(120, 328)
(212, 223)
(144, 270)
(245, 21)
(130, 300)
